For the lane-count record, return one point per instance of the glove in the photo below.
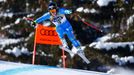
(68, 11)
(33, 24)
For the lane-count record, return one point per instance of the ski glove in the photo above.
(68, 11)
(33, 24)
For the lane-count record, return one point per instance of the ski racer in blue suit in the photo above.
(57, 17)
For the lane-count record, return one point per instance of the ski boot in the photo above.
(81, 53)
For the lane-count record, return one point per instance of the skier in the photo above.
(57, 16)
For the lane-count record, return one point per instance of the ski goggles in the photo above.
(51, 7)
(52, 10)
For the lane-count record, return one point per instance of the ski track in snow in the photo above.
(9, 68)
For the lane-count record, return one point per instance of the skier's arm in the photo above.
(43, 18)
(65, 11)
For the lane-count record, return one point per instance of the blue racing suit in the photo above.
(62, 25)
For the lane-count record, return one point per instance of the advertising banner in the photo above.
(47, 35)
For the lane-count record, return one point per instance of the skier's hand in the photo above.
(68, 11)
(33, 24)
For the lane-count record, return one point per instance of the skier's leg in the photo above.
(61, 32)
(72, 38)
(64, 43)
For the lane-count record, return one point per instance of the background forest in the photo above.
(111, 45)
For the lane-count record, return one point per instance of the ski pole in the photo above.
(92, 26)
(30, 21)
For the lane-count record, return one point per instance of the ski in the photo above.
(79, 54)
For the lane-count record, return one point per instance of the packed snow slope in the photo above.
(10, 68)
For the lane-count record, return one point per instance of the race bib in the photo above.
(59, 19)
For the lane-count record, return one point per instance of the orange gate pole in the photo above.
(63, 58)
(34, 51)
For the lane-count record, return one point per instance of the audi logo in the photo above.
(48, 32)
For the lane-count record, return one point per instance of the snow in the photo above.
(7, 26)
(93, 10)
(133, 8)
(30, 35)
(25, 51)
(101, 43)
(121, 71)
(9, 68)
(8, 51)
(8, 15)
(130, 20)
(3, 0)
(123, 60)
(131, 47)
(6, 41)
(80, 9)
(30, 15)
(16, 51)
(17, 21)
(111, 45)
(106, 37)
(104, 2)
(86, 10)
(130, 59)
